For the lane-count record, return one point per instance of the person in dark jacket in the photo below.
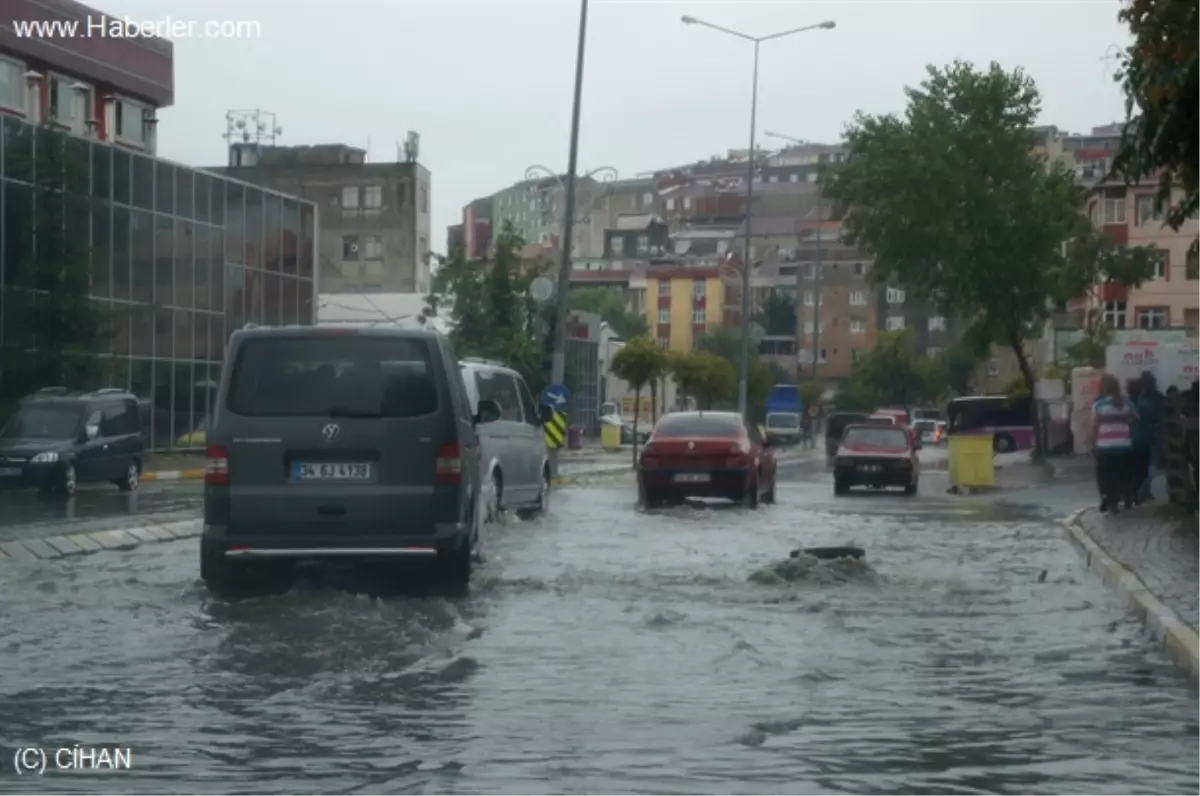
(1147, 437)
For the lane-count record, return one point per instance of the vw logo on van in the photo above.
(331, 431)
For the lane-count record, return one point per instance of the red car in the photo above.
(706, 454)
(876, 456)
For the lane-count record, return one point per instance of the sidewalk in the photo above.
(1150, 557)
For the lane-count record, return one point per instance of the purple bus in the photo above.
(1008, 420)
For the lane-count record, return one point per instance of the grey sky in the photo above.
(488, 84)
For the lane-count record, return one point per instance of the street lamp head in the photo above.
(688, 20)
(828, 24)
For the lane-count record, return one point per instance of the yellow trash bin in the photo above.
(610, 437)
(971, 460)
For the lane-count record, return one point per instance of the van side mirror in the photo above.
(544, 414)
(489, 411)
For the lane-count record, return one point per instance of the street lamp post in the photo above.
(604, 174)
(748, 264)
(818, 274)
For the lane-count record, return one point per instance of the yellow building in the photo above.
(682, 303)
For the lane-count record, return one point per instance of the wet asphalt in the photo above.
(605, 649)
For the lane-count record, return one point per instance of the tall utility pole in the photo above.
(819, 274)
(558, 358)
(748, 265)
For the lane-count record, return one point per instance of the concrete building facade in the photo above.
(375, 219)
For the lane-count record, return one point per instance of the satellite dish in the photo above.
(757, 332)
(541, 289)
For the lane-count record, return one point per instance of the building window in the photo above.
(687, 203)
(794, 178)
(62, 100)
(699, 289)
(373, 196)
(647, 199)
(855, 355)
(13, 93)
(821, 356)
(1114, 314)
(1114, 211)
(664, 287)
(670, 204)
(993, 367)
(1191, 320)
(372, 248)
(616, 244)
(664, 341)
(1160, 264)
(808, 327)
(859, 269)
(937, 323)
(350, 197)
(424, 198)
(349, 247)
(895, 323)
(808, 299)
(131, 122)
(895, 295)
(699, 317)
(664, 316)
(933, 352)
(1146, 212)
(643, 244)
(857, 327)
(858, 299)
(1152, 318)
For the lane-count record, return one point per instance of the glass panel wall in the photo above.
(178, 258)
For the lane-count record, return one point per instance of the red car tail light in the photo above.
(216, 465)
(449, 464)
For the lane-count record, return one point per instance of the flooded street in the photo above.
(604, 649)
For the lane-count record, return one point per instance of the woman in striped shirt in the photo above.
(1113, 418)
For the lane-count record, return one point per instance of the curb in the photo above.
(1179, 640)
(174, 475)
(55, 547)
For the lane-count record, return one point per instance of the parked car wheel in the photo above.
(840, 487)
(911, 489)
(750, 497)
(1003, 443)
(543, 501)
(133, 477)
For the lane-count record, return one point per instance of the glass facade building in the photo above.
(180, 257)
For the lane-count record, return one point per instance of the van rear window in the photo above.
(336, 376)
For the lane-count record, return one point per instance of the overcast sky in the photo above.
(488, 84)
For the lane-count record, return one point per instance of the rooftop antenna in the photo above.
(247, 132)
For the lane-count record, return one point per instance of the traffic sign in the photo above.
(555, 430)
(556, 396)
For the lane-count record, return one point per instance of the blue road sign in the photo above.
(556, 396)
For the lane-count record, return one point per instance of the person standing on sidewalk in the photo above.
(1113, 418)
(1147, 436)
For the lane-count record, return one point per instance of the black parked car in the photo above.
(58, 439)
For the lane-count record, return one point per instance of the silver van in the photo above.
(515, 465)
(341, 444)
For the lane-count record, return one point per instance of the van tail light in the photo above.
(449, 464)
(216, 466)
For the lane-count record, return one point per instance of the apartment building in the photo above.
(835, 308)
(375, 219)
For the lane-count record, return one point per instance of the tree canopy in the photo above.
(640, 362)
(702, 375)
(1159, 77)
(493, 313)
(777, 313)
(726, 343)
(610, 305)
(952, 204)
(894, 374)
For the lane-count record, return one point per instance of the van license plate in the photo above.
(692, 478)
(331, 471)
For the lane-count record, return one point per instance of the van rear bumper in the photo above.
(446, 537)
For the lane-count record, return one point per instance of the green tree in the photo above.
(1159, 77)
(959, 363)
(55, 331)
(778, 313)
(490, 307)
(639, 363)
(812, 393)
(1091, 350)
(702, 375)
(612, 308)
(952, 205)
(726, 343)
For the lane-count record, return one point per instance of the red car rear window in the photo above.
(877, 437)
(699, 426)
